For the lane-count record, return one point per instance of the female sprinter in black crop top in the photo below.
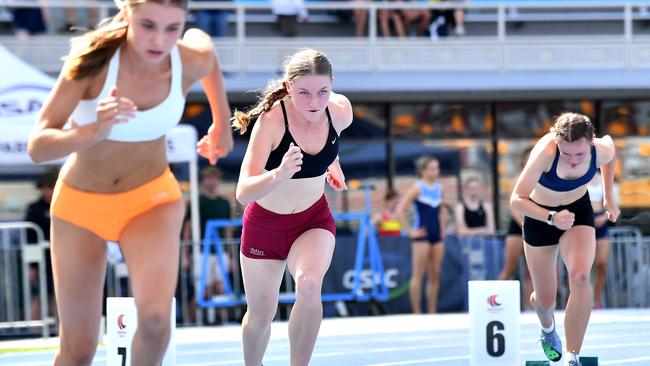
(287, 222)
(551, 193)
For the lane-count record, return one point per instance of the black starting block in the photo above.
(588, 361)
(584, 361)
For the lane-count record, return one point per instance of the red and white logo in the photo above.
(492, 300)
(120, 322)
(495, 305)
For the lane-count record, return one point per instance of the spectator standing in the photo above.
(212, 205)
(424, 197)
(386, 222)
(474, 216)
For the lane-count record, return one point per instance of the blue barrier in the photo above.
(366, 245)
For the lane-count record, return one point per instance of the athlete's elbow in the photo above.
(241, 197)
(514, 200)
(35, 153)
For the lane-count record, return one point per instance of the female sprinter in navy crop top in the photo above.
(287, 221)
(551, 193)
(121, 88)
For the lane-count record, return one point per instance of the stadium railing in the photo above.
(494, 49)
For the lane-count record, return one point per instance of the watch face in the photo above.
(549, 219)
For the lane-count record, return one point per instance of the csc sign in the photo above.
(368, 278)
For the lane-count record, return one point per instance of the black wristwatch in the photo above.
(549, 218)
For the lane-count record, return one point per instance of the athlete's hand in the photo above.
(335, 177)
(563, 220)
(110, 110)
(215, 144)
(291, 162)
(611, 210)
(418, 233)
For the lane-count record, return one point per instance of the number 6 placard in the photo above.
(494, 323)
(121, 323)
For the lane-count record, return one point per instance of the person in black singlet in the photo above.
(473, 215)
(287, 222)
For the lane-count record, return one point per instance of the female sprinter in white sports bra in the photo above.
(122, 88)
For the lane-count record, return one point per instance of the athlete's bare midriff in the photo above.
(547, 197)
(294, 195)
(113, 167)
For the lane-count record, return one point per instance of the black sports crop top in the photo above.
(312, 165)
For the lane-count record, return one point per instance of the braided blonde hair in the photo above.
(304, 62)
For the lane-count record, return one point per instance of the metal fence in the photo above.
(628, 269)
(367, 252)
(16, 300)
(200, 302)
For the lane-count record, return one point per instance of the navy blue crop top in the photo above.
(551, 180)
(312, 165)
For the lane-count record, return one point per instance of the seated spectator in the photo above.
(213, 22)
(420, 17)
(459, 19)
(474, 216)
(385, 221)
(289, 13)
(386, 17)
(361, 20)
(71, 24)
(441, 20)
(38, 212)
(29, 21)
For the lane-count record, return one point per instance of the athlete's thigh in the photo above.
(311, 253)
(542, 266)
(150, 244)
(262, 279)
(578, 248)
(79, 268)
(419, 257)
(603, 246)
(436, 254)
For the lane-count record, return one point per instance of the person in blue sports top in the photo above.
(425, 199)
(551, 193)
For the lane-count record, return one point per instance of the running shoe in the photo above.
(552, 345)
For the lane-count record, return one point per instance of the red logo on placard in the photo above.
(120, 321)
(492, 300)
(495, 305)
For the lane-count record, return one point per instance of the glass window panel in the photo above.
(625, 118)
(437, 120)
(534, 119)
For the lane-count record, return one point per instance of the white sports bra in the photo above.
(147, 125)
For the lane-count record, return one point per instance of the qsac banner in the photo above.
(23, 90)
